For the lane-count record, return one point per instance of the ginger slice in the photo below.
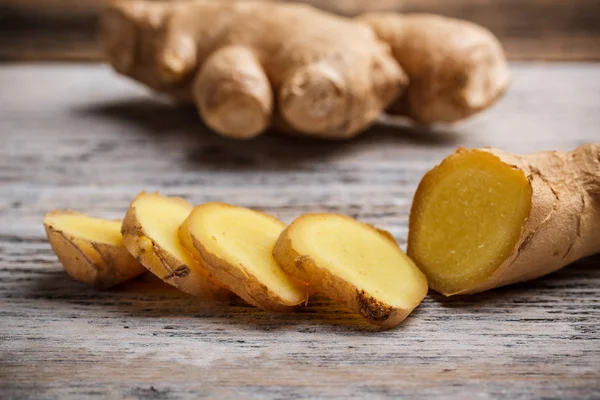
(486, 218)
(236, 244)
(150, 233)
(353, 263)
(91, 249)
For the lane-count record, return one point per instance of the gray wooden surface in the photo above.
(77, 136)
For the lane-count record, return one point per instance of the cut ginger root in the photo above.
(485, 218)
(236, 244)
(150, 233)
(353, 263)
(91, 249)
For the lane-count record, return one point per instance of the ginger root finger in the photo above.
(353, 263)
(150, 233)
(485, 218)
(233, 94)
(456, 68)
(315, 99)
(91, 249)
(236, 245)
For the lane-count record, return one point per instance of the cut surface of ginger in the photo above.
(236, 244)
(360, 255)
(467, 216)
(150, 231)
(160, 218)
(86, 227)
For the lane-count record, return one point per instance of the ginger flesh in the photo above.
(467, 218)
(485, 218)
(161, 217)
(236, 245)
(350, 251)
(86, 227)
(353, 263)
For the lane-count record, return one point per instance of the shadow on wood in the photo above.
(148, 297)
(156, 119)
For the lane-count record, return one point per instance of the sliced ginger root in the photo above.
(91, 249)
(235, 244)
(485, 218)
(353, 263)
(150, 233)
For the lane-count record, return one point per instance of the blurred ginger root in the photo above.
(250, 65)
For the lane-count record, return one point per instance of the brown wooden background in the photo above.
(529, 29)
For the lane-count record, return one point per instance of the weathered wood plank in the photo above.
(529, 30)
(78, 136)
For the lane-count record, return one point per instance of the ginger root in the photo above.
(485, 218)
(456, 68)
(250, 65)
(236, 244)
(353, 263)
(91, 249)
(150, 232)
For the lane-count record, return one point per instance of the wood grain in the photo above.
(79, 137)
(529, 30)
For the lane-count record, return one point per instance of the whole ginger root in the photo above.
(251, 65)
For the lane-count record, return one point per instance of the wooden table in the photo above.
(79, 137)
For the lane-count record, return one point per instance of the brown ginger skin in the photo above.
(564, 223)
(250, 65)
(100, 265)
(239, 61)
